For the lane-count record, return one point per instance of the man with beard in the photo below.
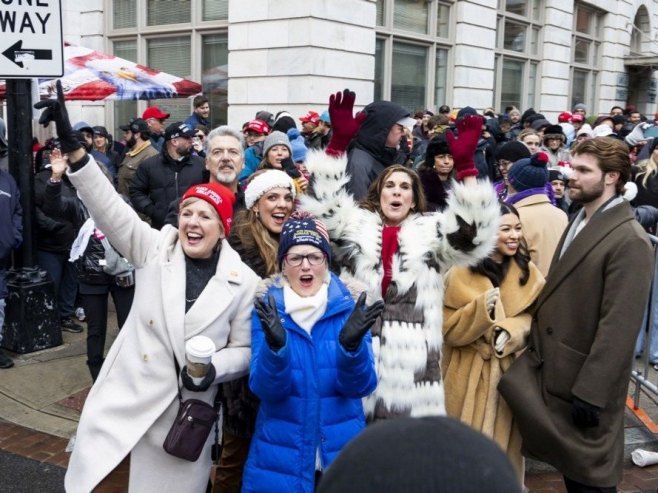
(224, 162)
(138, 149)
(570, 409)
(165, 177)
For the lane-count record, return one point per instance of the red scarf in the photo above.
(389, 248)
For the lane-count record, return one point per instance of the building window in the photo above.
(517, 52)
(196, 48)
(585, 55)
(411, 52)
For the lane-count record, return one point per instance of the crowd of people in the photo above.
(352, 270)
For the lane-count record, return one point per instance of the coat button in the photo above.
(549, 330)
(150, 322)
(146, 358)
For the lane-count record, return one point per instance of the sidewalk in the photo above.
(42, 396)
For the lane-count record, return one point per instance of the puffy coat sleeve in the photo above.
(116, 219)
(466, 230)
(270, 377)
(356, 371)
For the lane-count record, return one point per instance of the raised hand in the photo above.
(54, 110)
(359, 323)
(275, 335)
(463, 146)
(344, 124)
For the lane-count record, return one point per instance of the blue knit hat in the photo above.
(302, 228)
(529, 172)
(298, 145)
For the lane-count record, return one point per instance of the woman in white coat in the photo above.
(188, 282)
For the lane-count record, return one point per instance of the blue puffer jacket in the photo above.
(310, 393)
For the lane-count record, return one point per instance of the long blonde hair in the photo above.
(649, 169)
(253, 235)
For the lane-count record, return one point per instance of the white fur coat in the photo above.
(407, 339)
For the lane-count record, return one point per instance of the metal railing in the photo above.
(639, 377)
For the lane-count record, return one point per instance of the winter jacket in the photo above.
(407, 337)
(471, 367)
(253, 155)
(11, 226)
(369, 155)
(161, 179)
(310, 393)
(109, 159)
(131, 161)
(54, 234)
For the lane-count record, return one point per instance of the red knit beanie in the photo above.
(220, 197)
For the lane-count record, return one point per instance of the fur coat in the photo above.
(407, 338)
(471, 367)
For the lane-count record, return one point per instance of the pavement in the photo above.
(42, 395)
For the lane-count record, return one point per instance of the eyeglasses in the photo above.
(295, 260)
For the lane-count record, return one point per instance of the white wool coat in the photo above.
(134, 401)
(408, 336)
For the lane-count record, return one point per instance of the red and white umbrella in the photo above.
(93, 76)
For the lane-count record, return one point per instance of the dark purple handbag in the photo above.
(190, 430)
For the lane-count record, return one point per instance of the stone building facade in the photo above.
(268, 54)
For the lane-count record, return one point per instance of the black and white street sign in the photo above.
(31, 42)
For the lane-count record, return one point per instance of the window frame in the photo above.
(592, 66)
(388, 35)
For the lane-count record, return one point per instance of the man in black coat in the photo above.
(376, 144)
(163, 178)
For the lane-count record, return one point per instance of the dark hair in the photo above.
(495, 271)
(199, 101)
(372, 200)
(444, 109)
(612, 155)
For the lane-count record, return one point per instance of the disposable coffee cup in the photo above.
(198, 356)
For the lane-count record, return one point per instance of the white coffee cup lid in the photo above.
(200, 347)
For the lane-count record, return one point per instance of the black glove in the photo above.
(55, 111)
(584, 414)
(275, 335)
(359, 323)
(207, 381)
(289, 167)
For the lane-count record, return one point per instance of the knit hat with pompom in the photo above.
(529, 173)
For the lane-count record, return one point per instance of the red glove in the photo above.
(463, 147)
(343, 124)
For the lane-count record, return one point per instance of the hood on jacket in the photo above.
(380, 117)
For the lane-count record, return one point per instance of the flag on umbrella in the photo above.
(90, 75)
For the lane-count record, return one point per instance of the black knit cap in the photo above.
(466, 110)
(513, 151)
(529, 173)
(438, 145)
(556, 174)
(420, 455)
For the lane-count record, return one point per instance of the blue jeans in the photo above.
(653, 337)
(2, 317)
(64, 277)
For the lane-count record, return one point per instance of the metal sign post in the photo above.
(31, 45)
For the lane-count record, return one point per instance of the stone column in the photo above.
(292, 55)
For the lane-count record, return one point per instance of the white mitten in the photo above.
(501, 337)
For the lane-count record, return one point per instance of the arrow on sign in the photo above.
(17, 54)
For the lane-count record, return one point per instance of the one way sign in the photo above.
(31, 42)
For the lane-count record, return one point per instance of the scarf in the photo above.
(306, 310)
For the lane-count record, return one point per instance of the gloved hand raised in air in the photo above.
(463, 146)
(344, 124)
(54, 110)
(359, 323)
(275, 335)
